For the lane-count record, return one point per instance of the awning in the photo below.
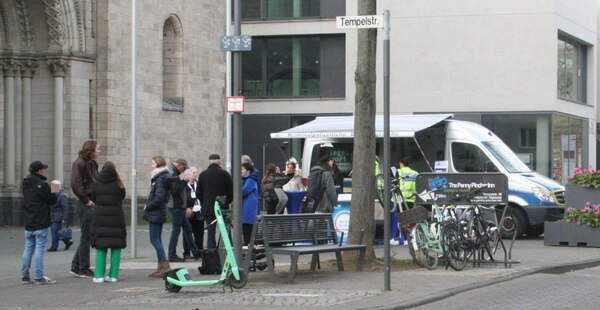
(343, 126)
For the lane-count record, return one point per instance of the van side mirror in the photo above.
(490, 167)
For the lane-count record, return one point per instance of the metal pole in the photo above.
(133, 130)
(228, 89)
(237, 142)
(386, 145)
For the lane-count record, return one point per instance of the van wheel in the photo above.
(514, 222)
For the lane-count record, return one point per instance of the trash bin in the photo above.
(294, 200)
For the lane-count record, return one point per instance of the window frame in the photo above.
(578, 72)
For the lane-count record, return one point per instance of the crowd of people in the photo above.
(176, 188)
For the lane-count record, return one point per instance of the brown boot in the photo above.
(164, 267)
(153, 274)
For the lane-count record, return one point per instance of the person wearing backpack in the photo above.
(321, 195)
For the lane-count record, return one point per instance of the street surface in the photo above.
(320, 289)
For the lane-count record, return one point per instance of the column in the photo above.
(10, 67)
(28, 68)
(58, 67)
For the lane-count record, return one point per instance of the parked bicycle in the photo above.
(425, 233)
(470, 235)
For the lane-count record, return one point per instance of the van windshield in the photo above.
(507, 158)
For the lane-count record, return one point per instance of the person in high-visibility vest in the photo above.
(407, 181)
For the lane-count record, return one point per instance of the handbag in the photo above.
(66, 234)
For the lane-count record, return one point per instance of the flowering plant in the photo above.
(586, 177)
(589, 215)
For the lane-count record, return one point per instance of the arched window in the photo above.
(172, 57)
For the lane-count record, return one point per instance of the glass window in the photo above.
(293, 66)
(527, 138)
(568, 140)
(469, 158)
(291, 9)
(571, 70)
(172, 61)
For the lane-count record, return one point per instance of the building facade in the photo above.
(67, 78)
(524, 69)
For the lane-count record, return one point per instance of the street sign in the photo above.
(354, 22)
(235, 104)
(236, 43)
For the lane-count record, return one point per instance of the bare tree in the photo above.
(363, 176)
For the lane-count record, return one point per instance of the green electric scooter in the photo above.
(231, 274)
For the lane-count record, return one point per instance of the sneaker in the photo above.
(111, 280)
(68, 245)
(43, 281)
(187, 256)
(98, 280)
(26, 280)
(85, 273)
(74, 270)
(198, 255)
(51, 250)
(176, 259)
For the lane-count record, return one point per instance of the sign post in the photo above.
(235, 104)
(379, 21)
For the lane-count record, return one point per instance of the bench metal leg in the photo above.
(271, 267)
(293, 267)
(315, 261)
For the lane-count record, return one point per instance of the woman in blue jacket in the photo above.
(155, 212)
(249, 201)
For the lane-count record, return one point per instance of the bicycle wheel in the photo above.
(428, 259)
(493, 238)
(452, 246)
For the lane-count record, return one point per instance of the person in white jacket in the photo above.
(295, 183)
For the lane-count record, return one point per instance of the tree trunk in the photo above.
(363, 176)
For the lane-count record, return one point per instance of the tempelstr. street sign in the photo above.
(353, 22)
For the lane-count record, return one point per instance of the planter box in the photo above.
(571, 234)
(576, 196)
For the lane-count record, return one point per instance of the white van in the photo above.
(458, 146)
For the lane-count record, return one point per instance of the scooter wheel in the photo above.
(173, 288)
(237, 284)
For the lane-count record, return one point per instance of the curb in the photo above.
(556, 269)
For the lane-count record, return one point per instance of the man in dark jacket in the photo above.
(178, 215)
(84, 172)
(213, 182)
(37, 200)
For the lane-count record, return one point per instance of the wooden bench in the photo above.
(298, 234)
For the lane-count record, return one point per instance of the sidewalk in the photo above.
(332, 289)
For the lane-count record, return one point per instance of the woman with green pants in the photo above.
(108, 224)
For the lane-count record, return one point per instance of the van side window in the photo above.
(469, 158)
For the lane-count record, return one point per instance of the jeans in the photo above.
(211, 242)
(180, 221)
(81, 259)
(156, 241)
(198, 230)
(54, 229)
(35, 242)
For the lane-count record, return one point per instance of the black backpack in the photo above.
(314, 192)
(211, 263)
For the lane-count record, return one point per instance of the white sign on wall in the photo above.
(354, 22)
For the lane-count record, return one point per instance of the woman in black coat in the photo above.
(108, 224)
